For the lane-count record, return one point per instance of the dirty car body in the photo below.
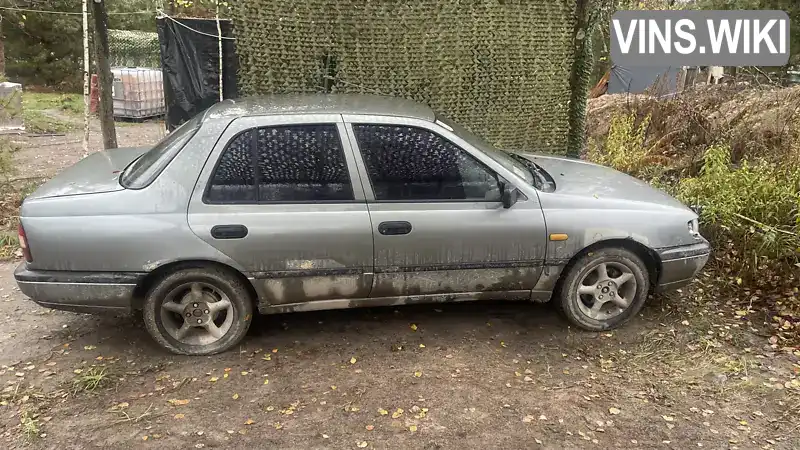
(323, 202)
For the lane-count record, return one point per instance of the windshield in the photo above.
(499, 156)
(143, 170)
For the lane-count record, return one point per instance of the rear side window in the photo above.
(285, 164)
(413, 164)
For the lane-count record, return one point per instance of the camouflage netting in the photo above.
(134, 48)
(500, 68)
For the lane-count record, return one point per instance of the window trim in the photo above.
(256, 178)
(357, 149)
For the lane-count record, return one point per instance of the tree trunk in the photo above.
(2, 52)
(104, 77)
(579, 78)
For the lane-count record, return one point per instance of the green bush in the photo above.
(624, 148)
(756, 205)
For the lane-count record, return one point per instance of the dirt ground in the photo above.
(690, 372)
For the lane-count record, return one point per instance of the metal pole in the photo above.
(85, 78)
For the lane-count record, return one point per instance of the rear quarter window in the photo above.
(143, 170)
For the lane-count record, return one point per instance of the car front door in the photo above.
(438, 222)
(283, 200)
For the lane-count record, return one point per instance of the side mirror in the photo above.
(509, 196)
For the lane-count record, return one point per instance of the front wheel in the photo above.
(198, 311)
(603, 289)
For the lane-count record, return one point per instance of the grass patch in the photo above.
(30, 426)
(92, 379)
(38, 101)
(9, 243)
(37, 122)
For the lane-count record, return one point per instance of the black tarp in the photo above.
(190, 62)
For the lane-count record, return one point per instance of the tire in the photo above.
(215, 285)
(580, 274)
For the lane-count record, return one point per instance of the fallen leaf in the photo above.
(353, 360)
(267, 358)
(421, 345)
(77, 371)
(333, 387)
(266, 380)
(144, 438)
(213, 379)
(270, 408)
(614, 411)
(362, 444)
(418, 373)
(179, 416)
(412, 428)
(244, 372)
(414, 327)
(370, 427)
(274, 350)
(382, 411)
(225, 375)
(397, 413)
(89, 347)
(228, 369)
(527, 419)
(249, 422)
(176, 402)
(502, 344)
(278, 425)
(236, 396)
(668, 418)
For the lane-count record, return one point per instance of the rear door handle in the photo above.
(394, 228)
(228, 231)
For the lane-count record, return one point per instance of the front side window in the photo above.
(413, 164)
(300, 163)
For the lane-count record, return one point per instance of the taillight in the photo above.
(23, 244)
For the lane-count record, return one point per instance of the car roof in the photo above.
(321, 104)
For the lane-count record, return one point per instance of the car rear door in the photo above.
(439, 226)
(280, 195)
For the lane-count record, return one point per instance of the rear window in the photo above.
(143, 170)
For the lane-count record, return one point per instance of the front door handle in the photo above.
(394, 228)
(228, 231)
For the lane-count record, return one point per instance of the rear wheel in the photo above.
(198, 311)
(603, 289)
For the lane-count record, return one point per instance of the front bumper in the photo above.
(680, 265)
(86, 292)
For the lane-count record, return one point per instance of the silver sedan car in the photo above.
(298, 203)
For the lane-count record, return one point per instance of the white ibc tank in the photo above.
(138, 92)
(11, 108)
